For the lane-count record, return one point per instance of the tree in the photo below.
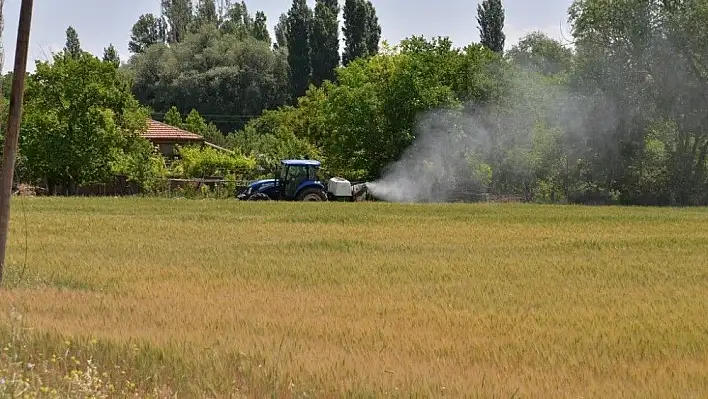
(373, 30)
(355, 31)
(540, 53)
(490, 17)
(362, 31)
(111, 55)
(299, 22)
(391, 93)
(206, 13)
(173, 117)
(237, 21)
(616, 53)
(273, 137)
(179, 15)
(80, 117)
(281, 33)
(217, 73)
(368, 118)
(148, 30)
(222, 6)
(72, 48)
(325, 41)
(260, 28)
(194, 122)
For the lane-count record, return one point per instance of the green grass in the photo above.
(221, 298)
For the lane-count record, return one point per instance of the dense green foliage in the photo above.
(647, 59)
(214, 72)
(80, 120)
(619, 118)
(220, 59)
(223, 66)
(206, 162)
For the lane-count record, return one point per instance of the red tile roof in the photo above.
(161, 131)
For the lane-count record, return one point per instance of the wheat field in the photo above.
(216, 298)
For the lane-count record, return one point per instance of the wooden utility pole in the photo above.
(2, 31)
(13, 124)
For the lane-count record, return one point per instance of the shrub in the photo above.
(142, 164)
(207, 161)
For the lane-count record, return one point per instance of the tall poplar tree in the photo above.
(298, 34)
(260, 27)
(325, 41)
(179, 15)
(281, 33)
(490, 17)
(73, 45)
(373, 30)
(362, 31)
(147, 31)
(206, 13)
(110, 54)
(354, 31)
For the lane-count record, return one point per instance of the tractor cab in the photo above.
(294, 180)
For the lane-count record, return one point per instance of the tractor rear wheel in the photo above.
(312, 194)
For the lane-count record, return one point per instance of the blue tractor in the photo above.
(297, 180)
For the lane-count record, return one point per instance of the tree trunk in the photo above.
(51, 187)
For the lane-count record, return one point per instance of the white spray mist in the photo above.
(439, 163)
(450, 144)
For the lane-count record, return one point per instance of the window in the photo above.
(297, 173)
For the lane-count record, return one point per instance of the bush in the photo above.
(142, 164)
(207, 161)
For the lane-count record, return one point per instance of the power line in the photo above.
(240, 116)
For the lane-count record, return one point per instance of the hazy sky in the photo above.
(100, 22)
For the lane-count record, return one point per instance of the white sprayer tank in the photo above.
(339, 187)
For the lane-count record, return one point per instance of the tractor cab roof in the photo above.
(301, 162)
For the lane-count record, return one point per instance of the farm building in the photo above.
(167, 137)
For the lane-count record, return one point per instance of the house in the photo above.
(167, 137)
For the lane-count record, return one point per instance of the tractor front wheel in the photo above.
(259, 197)
(312, 194)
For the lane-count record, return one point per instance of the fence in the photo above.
(168, 187)
(216, 187)
(202, 187)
